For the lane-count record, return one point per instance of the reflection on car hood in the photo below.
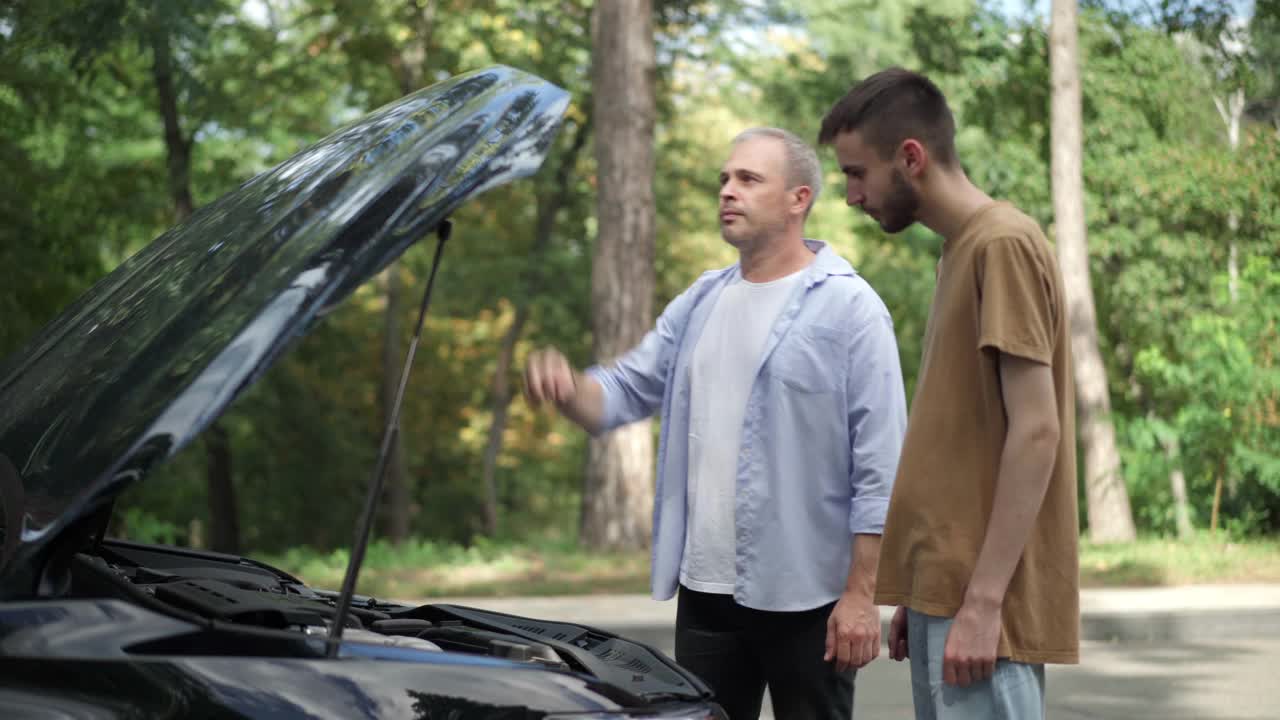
(156, 350)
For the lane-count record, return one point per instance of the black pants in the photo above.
(738, 651)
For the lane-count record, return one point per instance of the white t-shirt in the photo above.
(722, 373)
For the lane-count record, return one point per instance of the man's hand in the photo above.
(970, 655)
(853, 632)
(549, 377)
(898, 635)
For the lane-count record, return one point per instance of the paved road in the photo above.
(1190, 653)
(1230, 680)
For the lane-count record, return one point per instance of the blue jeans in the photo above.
(1015, 691)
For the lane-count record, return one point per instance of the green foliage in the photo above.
(83, 156)
(141, 526)
(420, 569)
(1222, 385)
(54, 236)
(1161, 195)
(1202, 559)
(523, 567)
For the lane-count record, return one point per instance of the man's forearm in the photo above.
(586, 407)
(864, 562)
(853, 630)
(1025, 468)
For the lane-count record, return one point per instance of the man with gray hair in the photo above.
(780, 392)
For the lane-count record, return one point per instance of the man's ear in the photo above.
(914, 157)
(803, 194)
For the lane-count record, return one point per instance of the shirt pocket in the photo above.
(809, 360)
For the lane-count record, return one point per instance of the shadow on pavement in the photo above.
(1236, 680)
(1166, 681)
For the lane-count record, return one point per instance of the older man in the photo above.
(782, 405)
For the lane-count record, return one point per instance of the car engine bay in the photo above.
(250, 608)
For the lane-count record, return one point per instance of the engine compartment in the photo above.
(242, 607)
(238, 593)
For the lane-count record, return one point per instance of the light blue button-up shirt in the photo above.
(820, 439)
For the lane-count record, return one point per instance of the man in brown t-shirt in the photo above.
(979, 546)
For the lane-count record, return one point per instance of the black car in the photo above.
(92, 627)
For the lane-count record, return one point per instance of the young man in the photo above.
(980, 542)
(780, 392)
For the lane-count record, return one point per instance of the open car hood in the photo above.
(157, 350)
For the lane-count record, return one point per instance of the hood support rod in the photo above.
(389, 435)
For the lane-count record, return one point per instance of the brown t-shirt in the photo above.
(999, 290)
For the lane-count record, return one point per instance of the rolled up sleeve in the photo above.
(633, 386)
(877, 421)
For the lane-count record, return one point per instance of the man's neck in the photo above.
(775, 259)
(953, 199)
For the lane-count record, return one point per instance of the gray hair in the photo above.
(803, 167)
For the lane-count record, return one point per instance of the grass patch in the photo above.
(423, 569)
(1204, 558)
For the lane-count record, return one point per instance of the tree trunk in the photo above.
(177, 145)
(549, 205)
(500, 393)
(224, 518)
(1178, 486)
(617, 497)
(1232, 111)
(1177, 480)
(407, 66)
(397, 487)
(1217, 498)
(1109, 513)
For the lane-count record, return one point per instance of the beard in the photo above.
(901, 206)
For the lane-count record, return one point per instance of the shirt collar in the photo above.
(825, 264)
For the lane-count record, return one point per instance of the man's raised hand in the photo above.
(548, 377)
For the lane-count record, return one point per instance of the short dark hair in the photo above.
(891, 106)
